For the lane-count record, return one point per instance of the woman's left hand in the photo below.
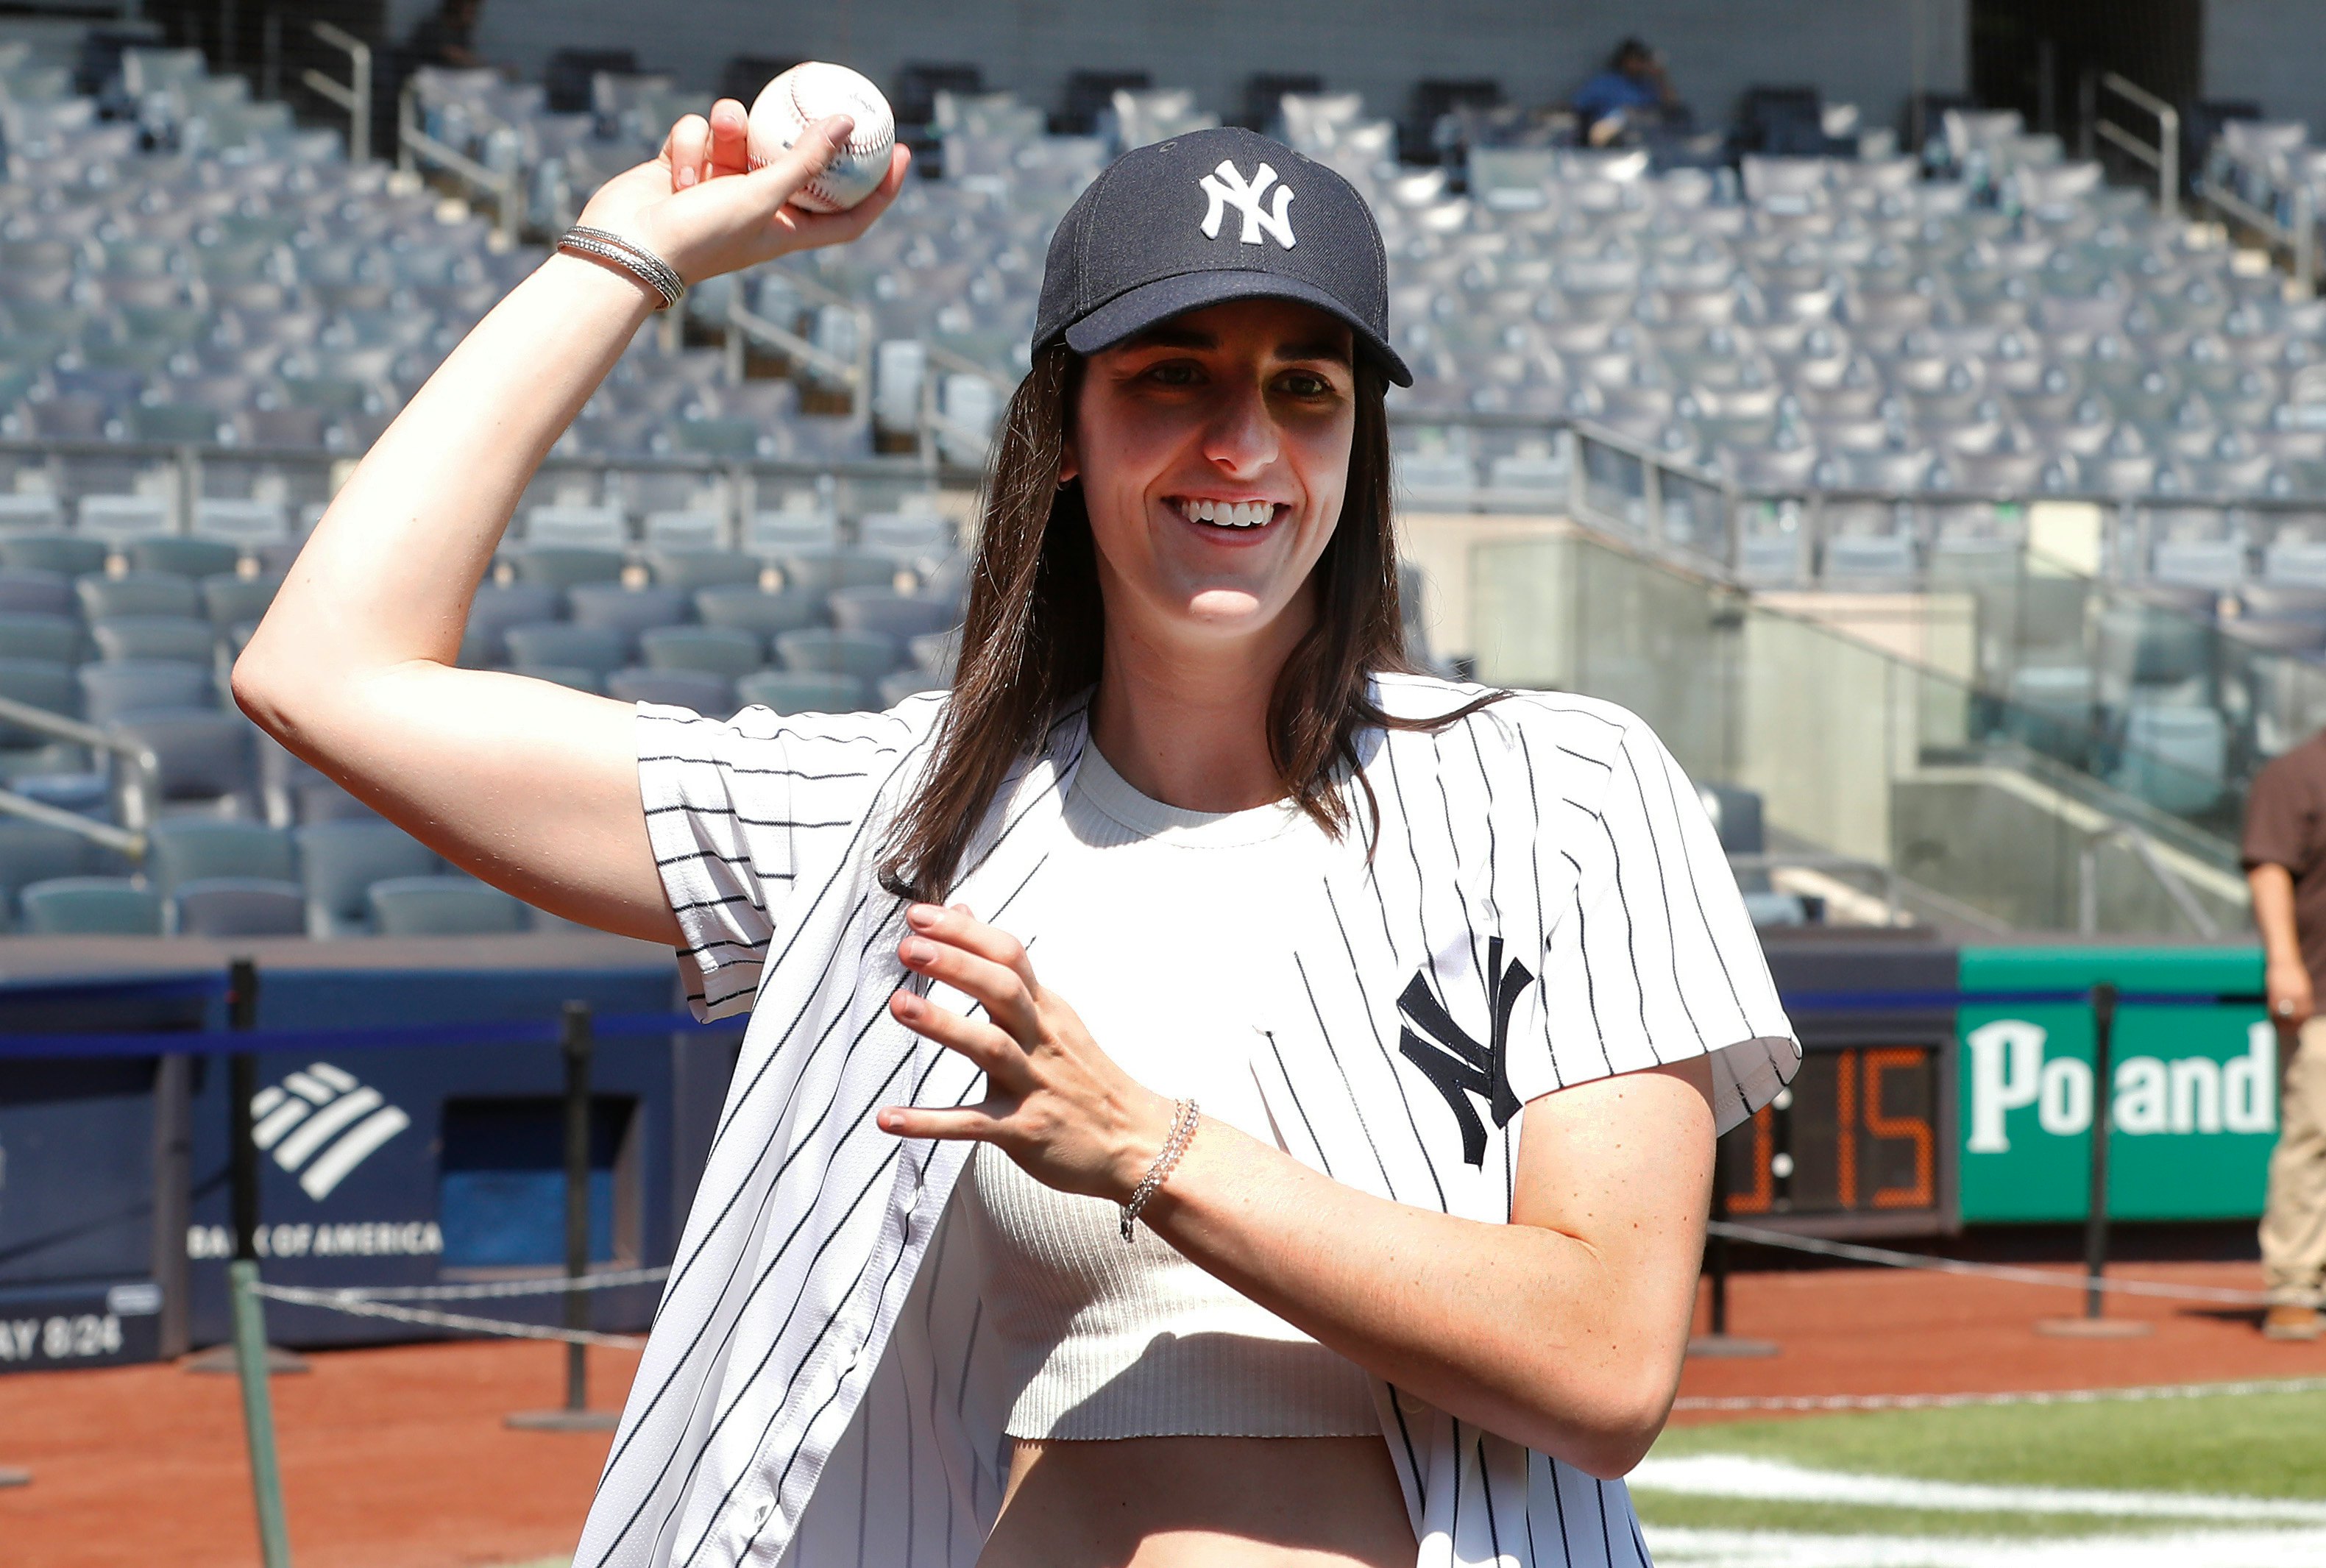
(1054, 1103)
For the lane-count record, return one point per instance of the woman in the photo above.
(1207, 931)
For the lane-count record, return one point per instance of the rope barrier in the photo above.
(612, 1279)
(1885, 1257)
(360, 1306)
(392, 1036)
(2133, 1395)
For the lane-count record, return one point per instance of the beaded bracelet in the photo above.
(1184, 1116)
(647, 268)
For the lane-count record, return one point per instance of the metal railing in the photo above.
(2185, 903)
(2297, 236)
(2163, 156)
(137, 786)
(354, 94)
(415, 147)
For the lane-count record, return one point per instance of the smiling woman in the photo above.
(1212, 1097)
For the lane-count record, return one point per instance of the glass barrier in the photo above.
(2031, 816)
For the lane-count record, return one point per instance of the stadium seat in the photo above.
(500, 606)
(239, 906)
(907, 538)
(862, 656)
(699, 689)
(242, 525)
(936, 652)
(36, 592)
(720, 651)
(881, 613)
(33, 852)
(52, 638)
(89, 906)
(689, 569)
(443, 906)
(181, 556)
(191, 849)
(591, 528)
(819, 571)
(796, 692)
(69, 555)
(572, 675)
(899, 685)
(233, 600)
(140, 593)
(667, 530)
(121, 519)
(562, 566)
(763, 614)
(179, 637)
(791, 530)
(205, 757)
(339, 861)
(119, 688)
(39, 683)
(30, 513)
(628, 610)
(600, 650)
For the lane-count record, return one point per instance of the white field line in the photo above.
(1692, 1548)
(1727, 1475)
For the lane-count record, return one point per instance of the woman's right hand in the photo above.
(701, 207)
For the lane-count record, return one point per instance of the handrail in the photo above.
(2087, 896)
(945, 359)
(413, 142)
(129, 843)
(2165, 157)
(353, 95)
(751, 324)
(139, 799)
(2298, 237)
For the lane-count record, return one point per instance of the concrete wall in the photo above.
(1874, 52)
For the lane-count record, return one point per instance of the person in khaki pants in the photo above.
(2284, 856)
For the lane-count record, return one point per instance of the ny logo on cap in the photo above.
(1225, 186)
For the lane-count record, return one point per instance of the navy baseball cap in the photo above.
(1206, 218)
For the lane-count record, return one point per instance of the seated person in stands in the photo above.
(446, 38)
(1631, 89)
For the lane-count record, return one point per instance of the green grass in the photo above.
(2250, 1445)
(1673, 1510)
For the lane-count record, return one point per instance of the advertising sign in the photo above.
(2191, 1097)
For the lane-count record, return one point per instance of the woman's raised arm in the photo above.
(531, 786)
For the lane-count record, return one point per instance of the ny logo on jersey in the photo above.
(1457, 1065)
(1226, 188)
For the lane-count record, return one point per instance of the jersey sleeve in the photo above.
(744, 815)
(1653, 959)
(2277, 825)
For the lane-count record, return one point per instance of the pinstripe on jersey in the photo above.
(1544, 904)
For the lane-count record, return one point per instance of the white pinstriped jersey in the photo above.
(1545, 905)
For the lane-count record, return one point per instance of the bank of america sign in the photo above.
(320, 1124)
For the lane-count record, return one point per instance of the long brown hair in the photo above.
(1035, 631)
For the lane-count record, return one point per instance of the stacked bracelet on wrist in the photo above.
(1184, 1116)
(647, 268)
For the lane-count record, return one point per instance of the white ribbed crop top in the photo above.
(1157, 924)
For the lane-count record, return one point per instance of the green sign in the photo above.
(2192, 1102)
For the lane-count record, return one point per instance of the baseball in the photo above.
(807, 93)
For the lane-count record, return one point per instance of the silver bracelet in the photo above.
(1184, 1118)
(640, 262)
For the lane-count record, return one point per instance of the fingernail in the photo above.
(916, 951)
(841, 129)
(923, 914)
(685, 176)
